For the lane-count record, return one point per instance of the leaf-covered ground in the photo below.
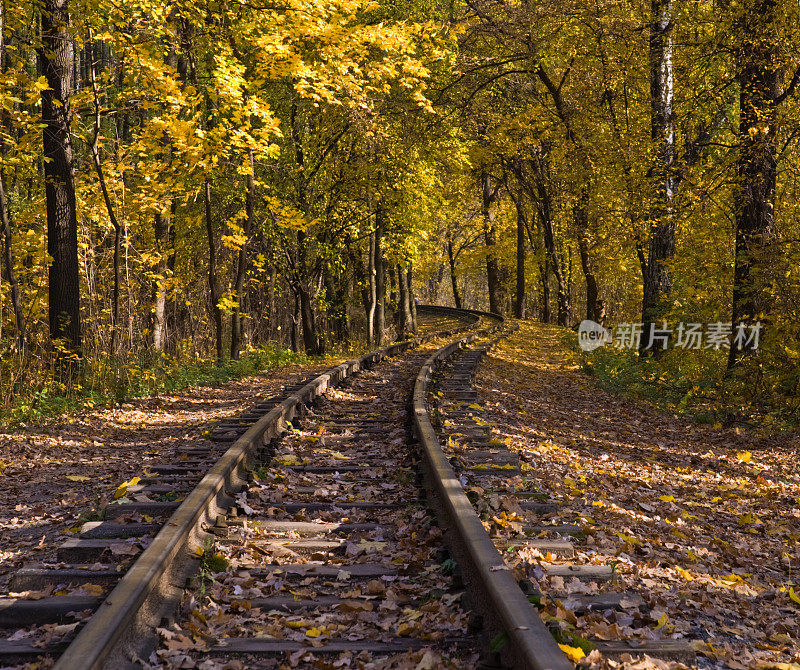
(702, 523)
(55, 475)
(410, 598)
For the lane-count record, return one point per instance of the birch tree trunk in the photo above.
(161, 230)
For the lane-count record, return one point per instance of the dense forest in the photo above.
(197, 180)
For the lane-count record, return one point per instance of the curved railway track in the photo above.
(517, 517)
(331, 548)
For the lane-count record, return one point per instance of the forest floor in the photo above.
(65, 470)
(702, 523)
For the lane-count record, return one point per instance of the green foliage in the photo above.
(761, 394)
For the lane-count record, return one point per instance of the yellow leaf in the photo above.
(78, 478)
(405, 629)
(744, 456)
(629, 539)
(291, 459)
(93, 589)
(339, 456)
(666, 498)
(297, 624)
(794, 596)
(313, 632)
(123, 488)
(575, 654)
(663, 620)
(684, 573)
(569, 482)
(749, 519)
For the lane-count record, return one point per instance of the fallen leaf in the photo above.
(575, 654)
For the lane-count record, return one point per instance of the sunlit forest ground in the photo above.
(702, 521)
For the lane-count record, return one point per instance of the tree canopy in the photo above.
(183, 180)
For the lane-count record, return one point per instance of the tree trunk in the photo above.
(380, 279)
(55, 61)
(8, 263)
(545, 313)
(522, 227)
(213, 284)
(451, 259)
(593, 304)
(519, 302)
(313, 344)
(403, 316)
(373, 293)
(5, 221)
(756, 168)
(406, 320)
(296, 319)
(241, 263)
(98, 166)
(490, 239)
(657, 278)
(161, 230)
(411, 300)
(360, 278)
(546, 218)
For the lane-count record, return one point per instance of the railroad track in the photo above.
(349, 539)
(48, 603)
(519, 520)
(124, 574)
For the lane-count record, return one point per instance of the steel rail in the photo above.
(115, 635)
(531, 646)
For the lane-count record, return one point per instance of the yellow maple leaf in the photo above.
(744, 456)
(666, 499)
(794, 596)
(575, 654)
(313, 632)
